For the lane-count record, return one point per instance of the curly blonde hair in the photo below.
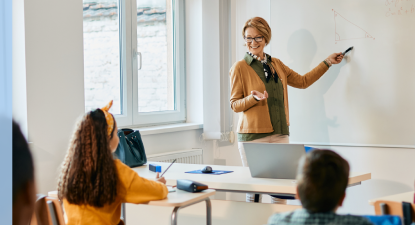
(261, 25)
(89, 175)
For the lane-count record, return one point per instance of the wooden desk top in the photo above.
(240, 180)
(402, 197)
(182, 198)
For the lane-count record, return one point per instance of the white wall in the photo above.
(54, 81)
(19, 66)
(159, 143)
(194, 75)
(245, 10)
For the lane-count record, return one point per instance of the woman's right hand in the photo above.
(160, 179)
(259, 96)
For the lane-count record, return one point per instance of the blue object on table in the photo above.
(384, 220)
(154, 167)
(308, 149)
(214, 172)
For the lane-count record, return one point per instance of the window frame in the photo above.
(125, 118)
(130, 116)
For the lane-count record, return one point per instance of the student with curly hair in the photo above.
(92, 184)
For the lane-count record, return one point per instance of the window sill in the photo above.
(168, 128)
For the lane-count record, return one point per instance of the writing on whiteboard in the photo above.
(399, 7)
(395, 2)
(344, 29)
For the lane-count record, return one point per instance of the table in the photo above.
(402, 197)
(239, 181)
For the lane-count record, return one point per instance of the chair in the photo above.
(48, 211)
(54, 194)
(404, 210)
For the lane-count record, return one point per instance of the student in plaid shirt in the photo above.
(322, 180)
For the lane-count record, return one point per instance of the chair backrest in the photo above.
(394, 208)
(48, 211)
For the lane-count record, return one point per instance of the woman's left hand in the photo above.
(336, 58)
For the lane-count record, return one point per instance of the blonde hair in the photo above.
(261, 25)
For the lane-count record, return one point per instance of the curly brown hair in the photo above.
(89, 175)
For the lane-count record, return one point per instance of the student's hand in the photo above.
(336, 58)
(160, 179)
(259, 96)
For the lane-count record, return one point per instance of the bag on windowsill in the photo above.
(130, 150)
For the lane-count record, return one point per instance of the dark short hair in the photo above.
(22, 162)
(322, 180)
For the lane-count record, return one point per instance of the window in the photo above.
(134, 54)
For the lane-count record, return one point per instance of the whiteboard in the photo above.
(368, 99)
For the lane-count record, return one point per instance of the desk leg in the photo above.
(208, 212)
(123, 212)
(174, 216)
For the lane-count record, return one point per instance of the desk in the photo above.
(402, 197)
(238, 181)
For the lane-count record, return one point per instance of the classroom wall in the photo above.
(54, 82)
(194, 61)
(19, 66)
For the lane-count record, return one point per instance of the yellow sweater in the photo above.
(131, 188)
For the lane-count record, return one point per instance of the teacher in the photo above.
(259, 90)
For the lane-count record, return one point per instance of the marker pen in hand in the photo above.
(348, 50)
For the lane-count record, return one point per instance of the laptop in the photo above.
(271, 160)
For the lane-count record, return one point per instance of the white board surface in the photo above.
(368, 99)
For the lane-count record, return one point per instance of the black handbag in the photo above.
(130, 150)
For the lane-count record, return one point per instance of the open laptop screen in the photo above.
(271, 160)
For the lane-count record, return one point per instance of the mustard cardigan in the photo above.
(131, 188)
(255, 116)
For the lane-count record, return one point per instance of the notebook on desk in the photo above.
(271, 160)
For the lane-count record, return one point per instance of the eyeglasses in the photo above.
(257, 39)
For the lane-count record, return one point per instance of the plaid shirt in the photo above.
(301, 216)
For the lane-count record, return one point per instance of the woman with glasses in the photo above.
(259, 91)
